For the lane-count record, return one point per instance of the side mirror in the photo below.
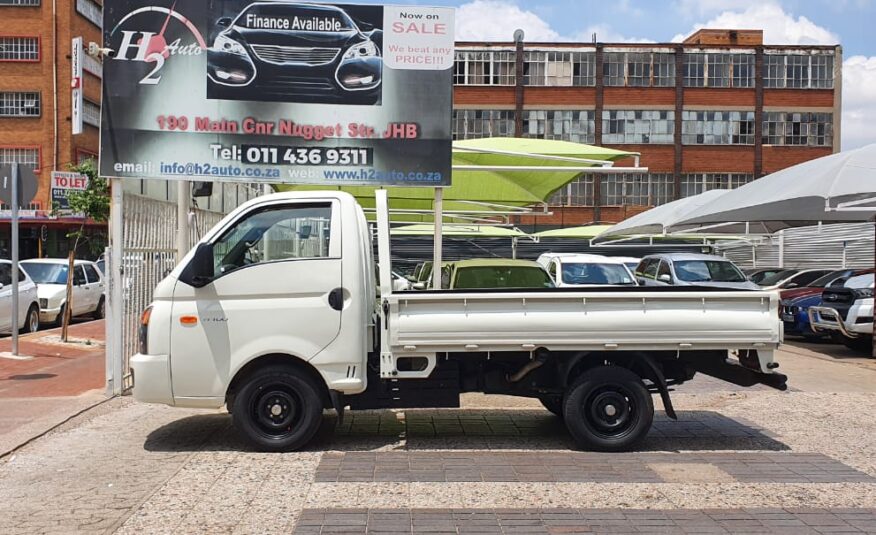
(792, 285)
(419, 286)
(665, 278)
(199, 271)
(224, 22)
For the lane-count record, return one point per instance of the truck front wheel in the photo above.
(608, 409)
(277, 409)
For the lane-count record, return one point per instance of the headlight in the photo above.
(227, 44)
(44, 303)
(863, 293)
(365, 49)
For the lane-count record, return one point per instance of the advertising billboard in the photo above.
(277, 91)
(62, 183)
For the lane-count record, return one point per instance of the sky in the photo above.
(849, 23)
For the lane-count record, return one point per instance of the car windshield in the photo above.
(759, 276)
(293, 18)
(707, 271)
(776, 277)
(586, 273)
(824, 280)
(502, 277)
(46, 273)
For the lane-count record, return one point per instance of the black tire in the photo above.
(608, 409)
(32, 320)
(59, 321)
(553, 403)
(100, 311)
(863, 344)
(277, 409)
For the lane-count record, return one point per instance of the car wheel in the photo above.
(608, 409)
(278, 409)
(100, 311)
(32, 321)
(553, 403)
(60, 319)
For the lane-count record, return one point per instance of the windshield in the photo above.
(707, 271)
(776, 277)
(758, 277)
(502, 277)
(823, 281)
(46, 273)
(580, 273)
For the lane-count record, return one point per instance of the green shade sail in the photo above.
(470, 231)
(509, 188)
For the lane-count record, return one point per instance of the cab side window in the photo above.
(91, 273)
(552, 271)
(273, 234)
(664, 270)
(78, 276)
(650, 268)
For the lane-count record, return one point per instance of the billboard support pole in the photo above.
(115, 309)
(15, 194)
(438, 206)
(183, 202)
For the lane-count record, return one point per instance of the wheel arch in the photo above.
(276, 359)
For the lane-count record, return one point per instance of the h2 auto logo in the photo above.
(151, 46)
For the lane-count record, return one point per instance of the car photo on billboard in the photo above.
(296, 52)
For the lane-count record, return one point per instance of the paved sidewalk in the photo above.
(59, 381)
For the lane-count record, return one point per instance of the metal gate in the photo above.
(149, 253)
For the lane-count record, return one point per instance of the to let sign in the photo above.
(62, 184)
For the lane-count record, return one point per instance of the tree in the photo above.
(94, 204)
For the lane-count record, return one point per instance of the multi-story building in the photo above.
(36, 107)
(716, 111)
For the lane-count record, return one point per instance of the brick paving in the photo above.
(553, 521)
(580, 466)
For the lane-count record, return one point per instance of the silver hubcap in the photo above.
(276, 410)
(610, 410)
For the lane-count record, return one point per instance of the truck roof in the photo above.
(494, 262)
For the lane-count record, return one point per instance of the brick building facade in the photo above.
(36, 104)
(715, 111)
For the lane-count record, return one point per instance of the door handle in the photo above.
(336, 298)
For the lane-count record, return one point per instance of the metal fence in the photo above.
(148, 255)
(823, 246)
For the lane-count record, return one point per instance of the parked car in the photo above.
(494, 273)
(791, 278)
(400, 282)
(568, 270)
(795, 302)
(836, 277)
(756, 275)
(629, 261)
(691, 269)
(847, 311)
(50, 274)
(28, 308)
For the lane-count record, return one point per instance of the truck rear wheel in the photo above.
(608, 409)
(277, 409)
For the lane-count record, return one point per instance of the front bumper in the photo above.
(858, 322)
(151, 378)
(49, 315)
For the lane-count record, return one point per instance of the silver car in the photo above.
(691, 269)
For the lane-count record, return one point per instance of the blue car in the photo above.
(795, 316)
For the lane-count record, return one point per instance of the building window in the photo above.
(718, 70)
(567, 125)
(474, 124)
(24, 156)
(798, 71)
(798, 128)
(717, 127)
(579, 192)
(83, 156)
(694, 184)
(484, 67)
(584, 69)
(19, 2)
(552, 68)
(91, 113)
(638, 126)
(19, 104)
(638, 69)
(91, 11)
(640, 189)
(19, 49)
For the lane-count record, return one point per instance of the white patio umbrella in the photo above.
(660, 219)
(833, 189)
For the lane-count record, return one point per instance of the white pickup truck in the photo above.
(276, 314)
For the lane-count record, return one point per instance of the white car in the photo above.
(576, 270)
(50, 274)
(847, 310)
(28, 307)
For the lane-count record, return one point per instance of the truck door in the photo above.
(275, 289)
